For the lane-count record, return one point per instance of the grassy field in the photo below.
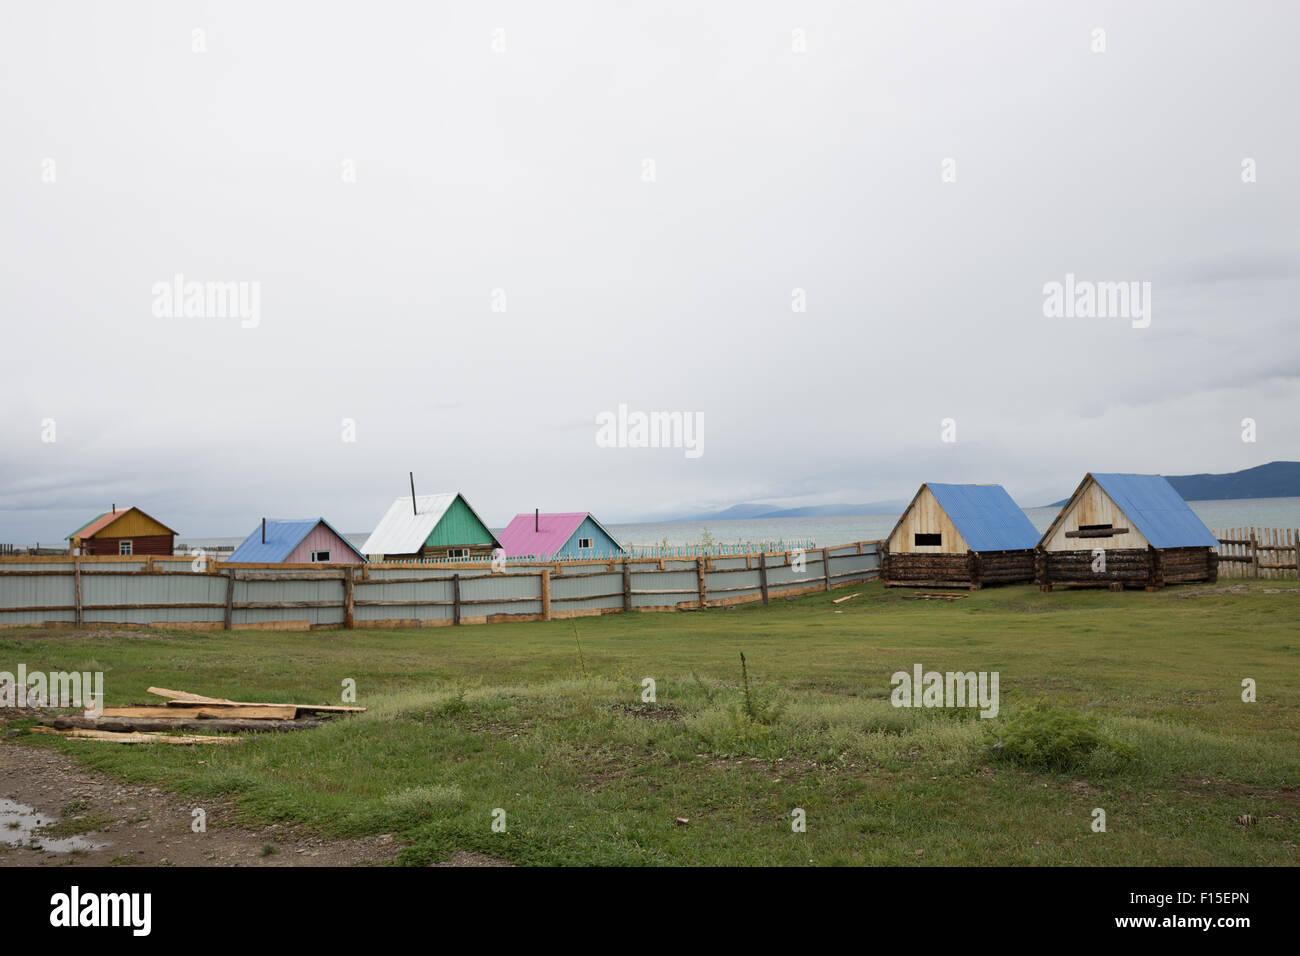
(546, 721)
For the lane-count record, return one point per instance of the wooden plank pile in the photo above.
(183, 711)
(933, 596)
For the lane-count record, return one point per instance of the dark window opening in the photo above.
(1096, 531)
(927, 539)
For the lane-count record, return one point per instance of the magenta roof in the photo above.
(519, 538)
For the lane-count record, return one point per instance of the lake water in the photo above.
(839, 529)
(842, 529)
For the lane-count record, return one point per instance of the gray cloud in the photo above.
(522, 171)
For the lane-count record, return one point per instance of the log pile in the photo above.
(183, 711)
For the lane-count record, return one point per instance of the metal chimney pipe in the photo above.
(414, 509)
(263, 531)
(537, 520)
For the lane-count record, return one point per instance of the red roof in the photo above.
(99, 524)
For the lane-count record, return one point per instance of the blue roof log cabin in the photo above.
(301, 541)
(962, 536)
(1125, 531)
(439, 527)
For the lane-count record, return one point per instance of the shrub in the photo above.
(1054, 739)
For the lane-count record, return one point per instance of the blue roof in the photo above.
(1157, 510)
(986, 517)
(282, 536)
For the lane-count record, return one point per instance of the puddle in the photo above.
(19, 823)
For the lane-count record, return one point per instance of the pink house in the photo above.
(305, 541)
(574, 534)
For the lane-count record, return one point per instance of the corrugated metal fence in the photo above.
(184, 592)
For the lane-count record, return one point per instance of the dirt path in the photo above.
(99, 821)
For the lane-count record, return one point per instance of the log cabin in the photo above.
(960, 536)
(1125, 531)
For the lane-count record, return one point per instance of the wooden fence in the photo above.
(1258, 552)
(177, 592)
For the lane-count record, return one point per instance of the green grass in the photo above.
(1143, 691)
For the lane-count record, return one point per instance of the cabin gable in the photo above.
(601, 542)
(1082, 524)
(924, 518)
(459, 525)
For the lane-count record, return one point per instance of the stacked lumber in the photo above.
(184, 711)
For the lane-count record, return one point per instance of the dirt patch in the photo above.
(651, 711)
(1186, 592)
(135, 825)
(1215, 787)
(463, 858)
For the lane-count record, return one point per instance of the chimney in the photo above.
(414, 509)
(537, 520)
(263, 531)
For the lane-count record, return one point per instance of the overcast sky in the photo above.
(503, 146)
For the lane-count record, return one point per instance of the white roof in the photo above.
(402, 532)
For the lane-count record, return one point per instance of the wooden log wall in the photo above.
(913, 569)
(1125, 567)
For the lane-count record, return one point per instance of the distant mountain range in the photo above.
(751, 510)
(1277, 479)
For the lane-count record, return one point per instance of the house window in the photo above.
(926, 540)
(124, 547)
(584, 542)
(458, 552)
(320, 557)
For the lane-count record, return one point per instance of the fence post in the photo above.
(826, 566)
(546, 594)
(230, 597)
(1254, 554)
(455, 598)
(76, 586)
(699, 574)
(627, 586)
(349, 598)
(762, 575)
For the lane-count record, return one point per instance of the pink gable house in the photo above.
(570, 535)
(306, 541)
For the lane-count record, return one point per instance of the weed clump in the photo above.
(1052, 739)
